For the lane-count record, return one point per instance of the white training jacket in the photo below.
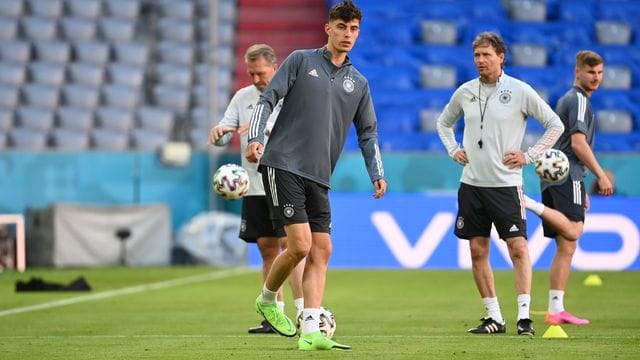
(510, 103)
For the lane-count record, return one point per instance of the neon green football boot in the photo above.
(278, 321)
(317, 341)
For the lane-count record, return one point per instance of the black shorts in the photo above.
(480, 207)
(256, 222)
(568, 198)
(296, 200)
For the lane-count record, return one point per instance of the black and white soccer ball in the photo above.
(552, 166)
(230, 181)
(327, 322)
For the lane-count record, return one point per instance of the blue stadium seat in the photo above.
(8, 29)
(12, 8)
(66, 139)
(398, 120)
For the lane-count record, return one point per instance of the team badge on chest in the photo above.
(348, 84)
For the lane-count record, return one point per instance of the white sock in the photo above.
(535, 206)
(299, 302)
(556, 301)
(280, 305)
(268, 296)
(493, 309)
(524, 303)
(310, 320)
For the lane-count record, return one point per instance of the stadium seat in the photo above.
(45, 8)
(227, 10)
(134, 53)
(173, 74)
(223, 54)
(428, 119)
(86, 73)
(225, 31)
(614, 121)
(82, 96)
(8, 29)
(27, 139)
(58, 52)
(126, 9)
(199, 138)
(87, 9)
(47, 73)
(398, 120)
(616, 77)
(439, 32)
(114, 118)
(525, 54)
(172, 97)
(116, 29)
(15, 51)
(12, 74)
(527, 10)
(438, 76)
(530, 138)
(11, 8)
(126, 74)
(92, 52)
(148, 139)
(9, 97)
(109, 139)
(178, 30)
(177, 53)
(75, 118)
(201, 95)
(39, 28)
(78, 29)
(70, 139)
(35, 118)
(576, 11)
(403, 77)
(6, 119)
(610, 32)
(180, 9)
(155, 118)
(120, 96)
(200, 117)
(41, 95)
(3, 140)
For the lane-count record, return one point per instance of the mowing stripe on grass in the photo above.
(217, 275)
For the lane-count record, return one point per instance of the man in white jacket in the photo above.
(495, 107)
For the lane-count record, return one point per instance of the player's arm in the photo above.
(278, 87)
(583, 151)
(367, 130)
(536, 107)
(221, 134)
(445, 123)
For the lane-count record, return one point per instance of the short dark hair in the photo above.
(588, 58)
(345, 11)
(492, 39)
(257, 51)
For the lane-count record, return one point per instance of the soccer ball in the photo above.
(552, 166)
(230, 181)
(327, 322)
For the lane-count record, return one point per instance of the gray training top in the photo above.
(321, 101)
(574, 109)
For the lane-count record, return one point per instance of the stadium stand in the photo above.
(153, 60)
(543, 37)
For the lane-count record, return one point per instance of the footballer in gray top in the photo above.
(321, 101)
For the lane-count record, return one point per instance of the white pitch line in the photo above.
(130, 290)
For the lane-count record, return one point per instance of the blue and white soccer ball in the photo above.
(552, 166)
(327, 322)
(230, 181)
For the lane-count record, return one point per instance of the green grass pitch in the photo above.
(204, 313)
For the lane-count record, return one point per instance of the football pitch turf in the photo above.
(204, 313)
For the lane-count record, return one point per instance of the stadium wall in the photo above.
(409, 228)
